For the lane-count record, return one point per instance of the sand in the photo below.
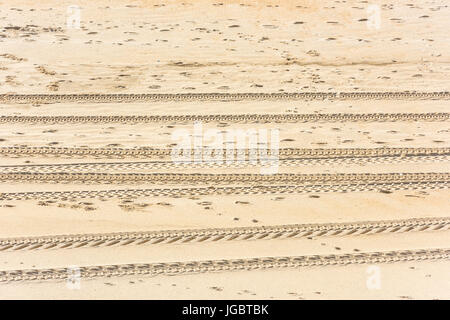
(234, 46)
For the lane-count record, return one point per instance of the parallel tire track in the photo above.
(228, 178)
(152, 165)
(247, 264)
(229, 118)
(223, 234)
(205, 191)
(283, 153)
(104, 98)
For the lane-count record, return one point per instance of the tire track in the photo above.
(227, 178)
(240, 158)
(283, 153)
(232, 118)
(105, 98)
(212, 190)
(207, 266)
(223, 234)
(152, 165)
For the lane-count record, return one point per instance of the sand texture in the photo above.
(352, 99)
